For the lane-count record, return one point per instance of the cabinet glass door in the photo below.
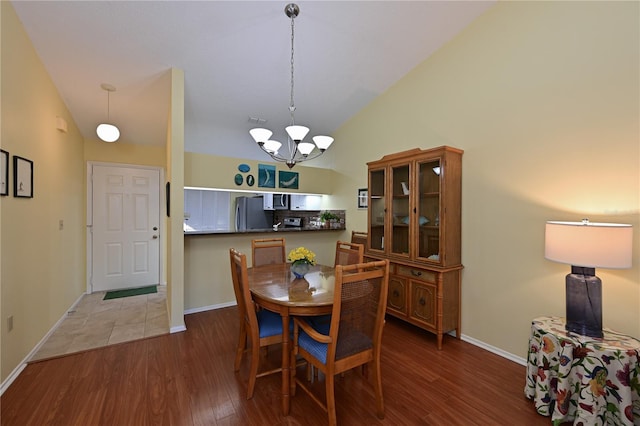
(377, 202)
(400, 215)
(428, 212)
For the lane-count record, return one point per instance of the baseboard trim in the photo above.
(178, 329)
(209, 308)
(493, 349)
(14, 375)
(23, 364)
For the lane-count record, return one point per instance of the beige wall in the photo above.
(210, 171)
(125, 153)
(544, 99)
(207, 269)
(42, 266)
(175, 234)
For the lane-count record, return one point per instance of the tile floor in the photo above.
(95, 322)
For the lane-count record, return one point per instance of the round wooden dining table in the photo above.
(275, 288)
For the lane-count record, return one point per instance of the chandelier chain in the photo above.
(292, 106)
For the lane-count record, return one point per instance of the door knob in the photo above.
(155, 228)
(155, 237)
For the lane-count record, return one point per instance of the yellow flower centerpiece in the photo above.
(301, 261)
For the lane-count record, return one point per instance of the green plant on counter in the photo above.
(327, 216)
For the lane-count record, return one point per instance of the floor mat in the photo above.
(130, 292)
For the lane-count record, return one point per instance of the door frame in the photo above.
(89, 218)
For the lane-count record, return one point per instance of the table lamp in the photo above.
(586, 246)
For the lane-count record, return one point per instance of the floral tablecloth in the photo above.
(587, 380)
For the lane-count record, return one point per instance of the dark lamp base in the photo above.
(584, 302)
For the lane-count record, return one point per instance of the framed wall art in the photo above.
(363, 195)
(287, 179)
(22, 177)
(4, 172)
(266, 176)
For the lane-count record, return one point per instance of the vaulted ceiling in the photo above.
(236, 61)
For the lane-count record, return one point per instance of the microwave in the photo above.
(275, 201)
(281, 201)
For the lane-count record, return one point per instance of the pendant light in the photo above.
(106, 131)
(298, 150)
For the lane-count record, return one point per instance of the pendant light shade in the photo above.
(297, 133)
(106, 131)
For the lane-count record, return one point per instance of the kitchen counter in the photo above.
(264, 231)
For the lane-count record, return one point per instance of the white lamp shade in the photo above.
(591, 245)
(272, 146)
(305, 148)
(108, 132)
(297, 133)
(323, 142)
(260, 135)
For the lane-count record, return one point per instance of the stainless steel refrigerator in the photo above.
(250, 214)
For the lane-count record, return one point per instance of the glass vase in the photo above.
(300, 268)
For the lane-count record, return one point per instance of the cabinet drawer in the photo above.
(397, 294)
(423, 303)
(416, 274)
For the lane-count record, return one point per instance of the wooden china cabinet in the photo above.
(414, 221)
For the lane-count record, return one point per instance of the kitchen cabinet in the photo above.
(267, 201)
(414, 220)
(206, 210)
(305, 202)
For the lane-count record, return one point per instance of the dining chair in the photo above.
(359, 237)
(260, 327)
(265, 251)
(348, 253)
(354, 336)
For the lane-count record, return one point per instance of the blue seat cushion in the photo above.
(316, 349)
(347, 345)
(269, 323)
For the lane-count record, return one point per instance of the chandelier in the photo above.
(298, 150)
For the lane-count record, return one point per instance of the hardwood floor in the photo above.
(188, 379)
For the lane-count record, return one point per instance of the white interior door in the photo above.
(125, 227)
